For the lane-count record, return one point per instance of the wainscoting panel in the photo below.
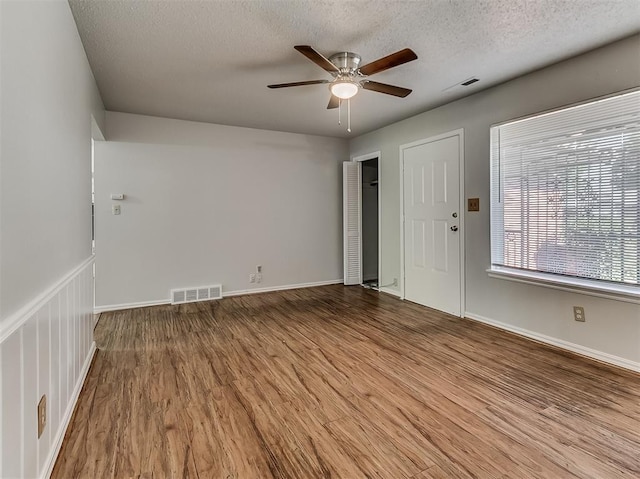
(47, 352)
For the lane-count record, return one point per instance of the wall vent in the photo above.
(467, 82)
(471, 81)
(191, 295)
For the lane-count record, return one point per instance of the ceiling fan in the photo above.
(349, 76)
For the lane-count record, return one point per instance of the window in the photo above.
(565, 199)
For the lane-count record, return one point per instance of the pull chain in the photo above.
(340, 112)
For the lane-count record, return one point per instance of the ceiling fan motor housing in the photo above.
(347, 62)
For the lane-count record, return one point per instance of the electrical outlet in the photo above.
(252, 278)
(115, 209)
(473, 204)
(42, 415)
(578, 313)
(259, 278)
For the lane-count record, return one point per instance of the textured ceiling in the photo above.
(212, 60)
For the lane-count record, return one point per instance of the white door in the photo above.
(351, 216)
(431, 190)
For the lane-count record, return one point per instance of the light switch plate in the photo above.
(473, 204)
(42, 415)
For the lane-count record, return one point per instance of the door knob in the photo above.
(454, 228)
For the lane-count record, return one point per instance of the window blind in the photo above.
(565, 191)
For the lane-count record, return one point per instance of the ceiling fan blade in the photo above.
(384, 88)
(334, 102)
(298, 83)
(317, 58)
(390, 61)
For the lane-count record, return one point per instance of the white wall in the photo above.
(207, 203)
(612, 327)
(48, 96)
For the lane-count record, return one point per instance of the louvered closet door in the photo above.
(352, 223)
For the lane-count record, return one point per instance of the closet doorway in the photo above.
(369, 188)
(362, 221)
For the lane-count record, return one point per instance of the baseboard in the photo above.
(118, 307)
(559, 343)
(68, 414)
(392, 292)
(17, 319)
(239, 292)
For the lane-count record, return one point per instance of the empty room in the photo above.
(255, 239)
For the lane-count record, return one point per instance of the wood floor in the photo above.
(342, 383)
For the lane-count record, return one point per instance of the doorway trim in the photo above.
(460, 134)
(359, 159)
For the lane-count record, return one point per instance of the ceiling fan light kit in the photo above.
(344, 89)
(349, 77)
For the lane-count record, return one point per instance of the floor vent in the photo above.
(191, 295)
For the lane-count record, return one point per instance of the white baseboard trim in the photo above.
(17, 319)
(575, 348)
(68, 414)
(239, 292)
(392, 292)
(118, 307)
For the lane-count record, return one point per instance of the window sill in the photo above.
(627, 293)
